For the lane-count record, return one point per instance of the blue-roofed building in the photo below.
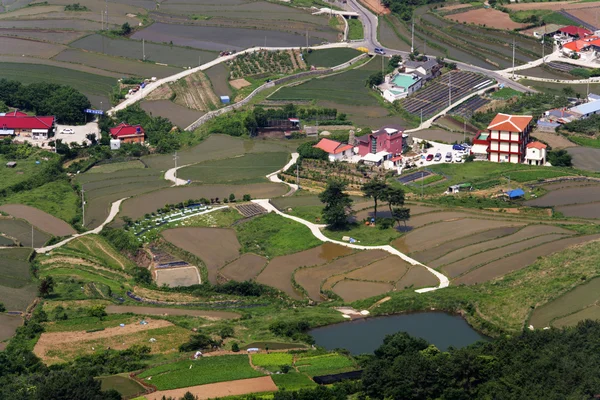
(515, 194)
(399, 86)
(587, 109)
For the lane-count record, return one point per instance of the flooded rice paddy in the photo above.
(178, 115)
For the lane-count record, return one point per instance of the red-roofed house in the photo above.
(575, 31)
(17, 123)
(509, 134)
(337, 151)
(128, 133)
(536, 153)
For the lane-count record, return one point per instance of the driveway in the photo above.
(80, 132)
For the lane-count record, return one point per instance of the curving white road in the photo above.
(274, 178)
(170, 176)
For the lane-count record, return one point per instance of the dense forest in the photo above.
(64, 102)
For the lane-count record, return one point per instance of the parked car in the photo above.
(458, 147)
(459, 158)
(438, 157)
(448, 157)
(429, 157)
(379, 50)
(68, 131)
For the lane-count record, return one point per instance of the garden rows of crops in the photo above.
(443, 91)
(266, 62)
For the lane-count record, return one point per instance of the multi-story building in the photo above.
(508, 136)
(387, 139)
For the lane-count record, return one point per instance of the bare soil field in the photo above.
(21, 231)
(54, 36)
(173, 277)
(39, 219)
(112, 309)
(588, 14)
(221, 389)
(488, 17)
(150, 202)
(15, 46)
(178, 115)
(214, 246)
(376, 6)
(435, 234)
(8, 325)
(515, 262)
(417, 277)
(239, 83)
(568, 196)
(524, 234)
(311, 278)
(428, 255)
(350, 290)
(590, 210)
(554, 5)
(245, 268)
(554, 140)
(390, 269)
(466, 264)
(585, 158)
(278, 273)
(440, 135)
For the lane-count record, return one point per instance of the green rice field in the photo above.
(272, 361)
(122, 384)
(16, 288)
(201, 371)
(292, 381)
(249, 168)
(331, 363)
(330, 57)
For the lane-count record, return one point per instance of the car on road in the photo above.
(438, 157)
(429, 157)
(68, 131)
(448, 157)
(379, 50)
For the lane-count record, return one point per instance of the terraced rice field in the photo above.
(21, 231)
(39, 219)
(278, 273)
(8, 327)
(214, 246)
(178, 115)
(16, 291)
(312, 278)
(245, 268)
(173, 277)
(417, 277)
(350, 291)
(54, 36)
(15, 47)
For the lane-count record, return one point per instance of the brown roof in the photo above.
(510, 123)
(536, 145)
(331, 146)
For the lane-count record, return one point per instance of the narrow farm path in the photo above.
(316, 231)
(274, 178)
(171, 176)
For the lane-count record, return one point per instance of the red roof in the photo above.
(536, 145)
(331, 146)
(15, 113)
(510, 123)
(123, 130)
(397, 158)
(19, 121)
(575, 31)
(576, 45)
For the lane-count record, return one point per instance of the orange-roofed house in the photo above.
(536, 153)
(508, 136)
(337, 151)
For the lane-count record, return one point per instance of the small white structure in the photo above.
(399, 86)
(115, 144)
(376, 158)
(536, 153)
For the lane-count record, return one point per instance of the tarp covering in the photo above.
(329, 379)
(513, 194)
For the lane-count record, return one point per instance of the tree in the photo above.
(199, 341)
(46, 286)
(92, 138)
(232, 197)
(189, 396)
(97, 311)
(226, 332)
(2, 308)
(394, 197)
(125, 29)
(375, 189)
(560, 158)
(401, 214)
(375, 79)
(142, 275)
(247, 197)
(337, 204)
(568, 91)
(394, 61)
(307, 150)
(235, 347)
(3, 106)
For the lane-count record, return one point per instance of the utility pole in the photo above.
(543, 47)
(588, 88)
(307, 38)
(101, 20)
(265, 41)
(382, 73)
(449, 89)
(424, 47)
(513, 61)
(82, 207)
(106, 18)
(175, 157)
(422, 182)
(199, 60)
(144, 49)
(32, 236)
(412, 37)
(297, 176)
(421, 118)
(464, 128)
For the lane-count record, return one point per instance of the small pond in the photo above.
(365, 335)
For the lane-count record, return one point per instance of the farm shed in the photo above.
(11, 164)
(515, 194)
(225, 99)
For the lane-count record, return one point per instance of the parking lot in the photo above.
(442, 149)
(79, 132)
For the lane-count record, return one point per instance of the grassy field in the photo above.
(122, 384)
(557, 88)
(331, 363)
(366, 235)
(24, 170)
(330, 57)
(93, 86)
(585, 141)
(355, 30)
(114, 167)
(292, 381)
(272, 235)
(249, 168)
(547, 16)
(505, 93)
(14, 267)
(56, 198)
(272, 361)
(201, 371)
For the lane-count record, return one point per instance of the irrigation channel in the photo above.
(365, 335)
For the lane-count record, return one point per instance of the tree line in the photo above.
(45, 99)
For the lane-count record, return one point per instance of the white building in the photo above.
(399, 86)
(336, 151)
(535, 153)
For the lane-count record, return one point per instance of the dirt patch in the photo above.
(568, 196)
(247, 267)
(460, 267)
(171, 311)
(39, 219)
(438, 233)
(555, 141)
(178, 115)
(417, 277)
(280, 270)
(427, 255)
(8, 325)
(222, 389)
(524, 234)
(215, 246)
(487, 17)
(555, 5)
(390, 269)
(195, 92)
(356, 290)
(311, 278)
(585, 158)
(518, 261)
(239, 83)
(173, 277)
(440, 135)
(376, 6)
